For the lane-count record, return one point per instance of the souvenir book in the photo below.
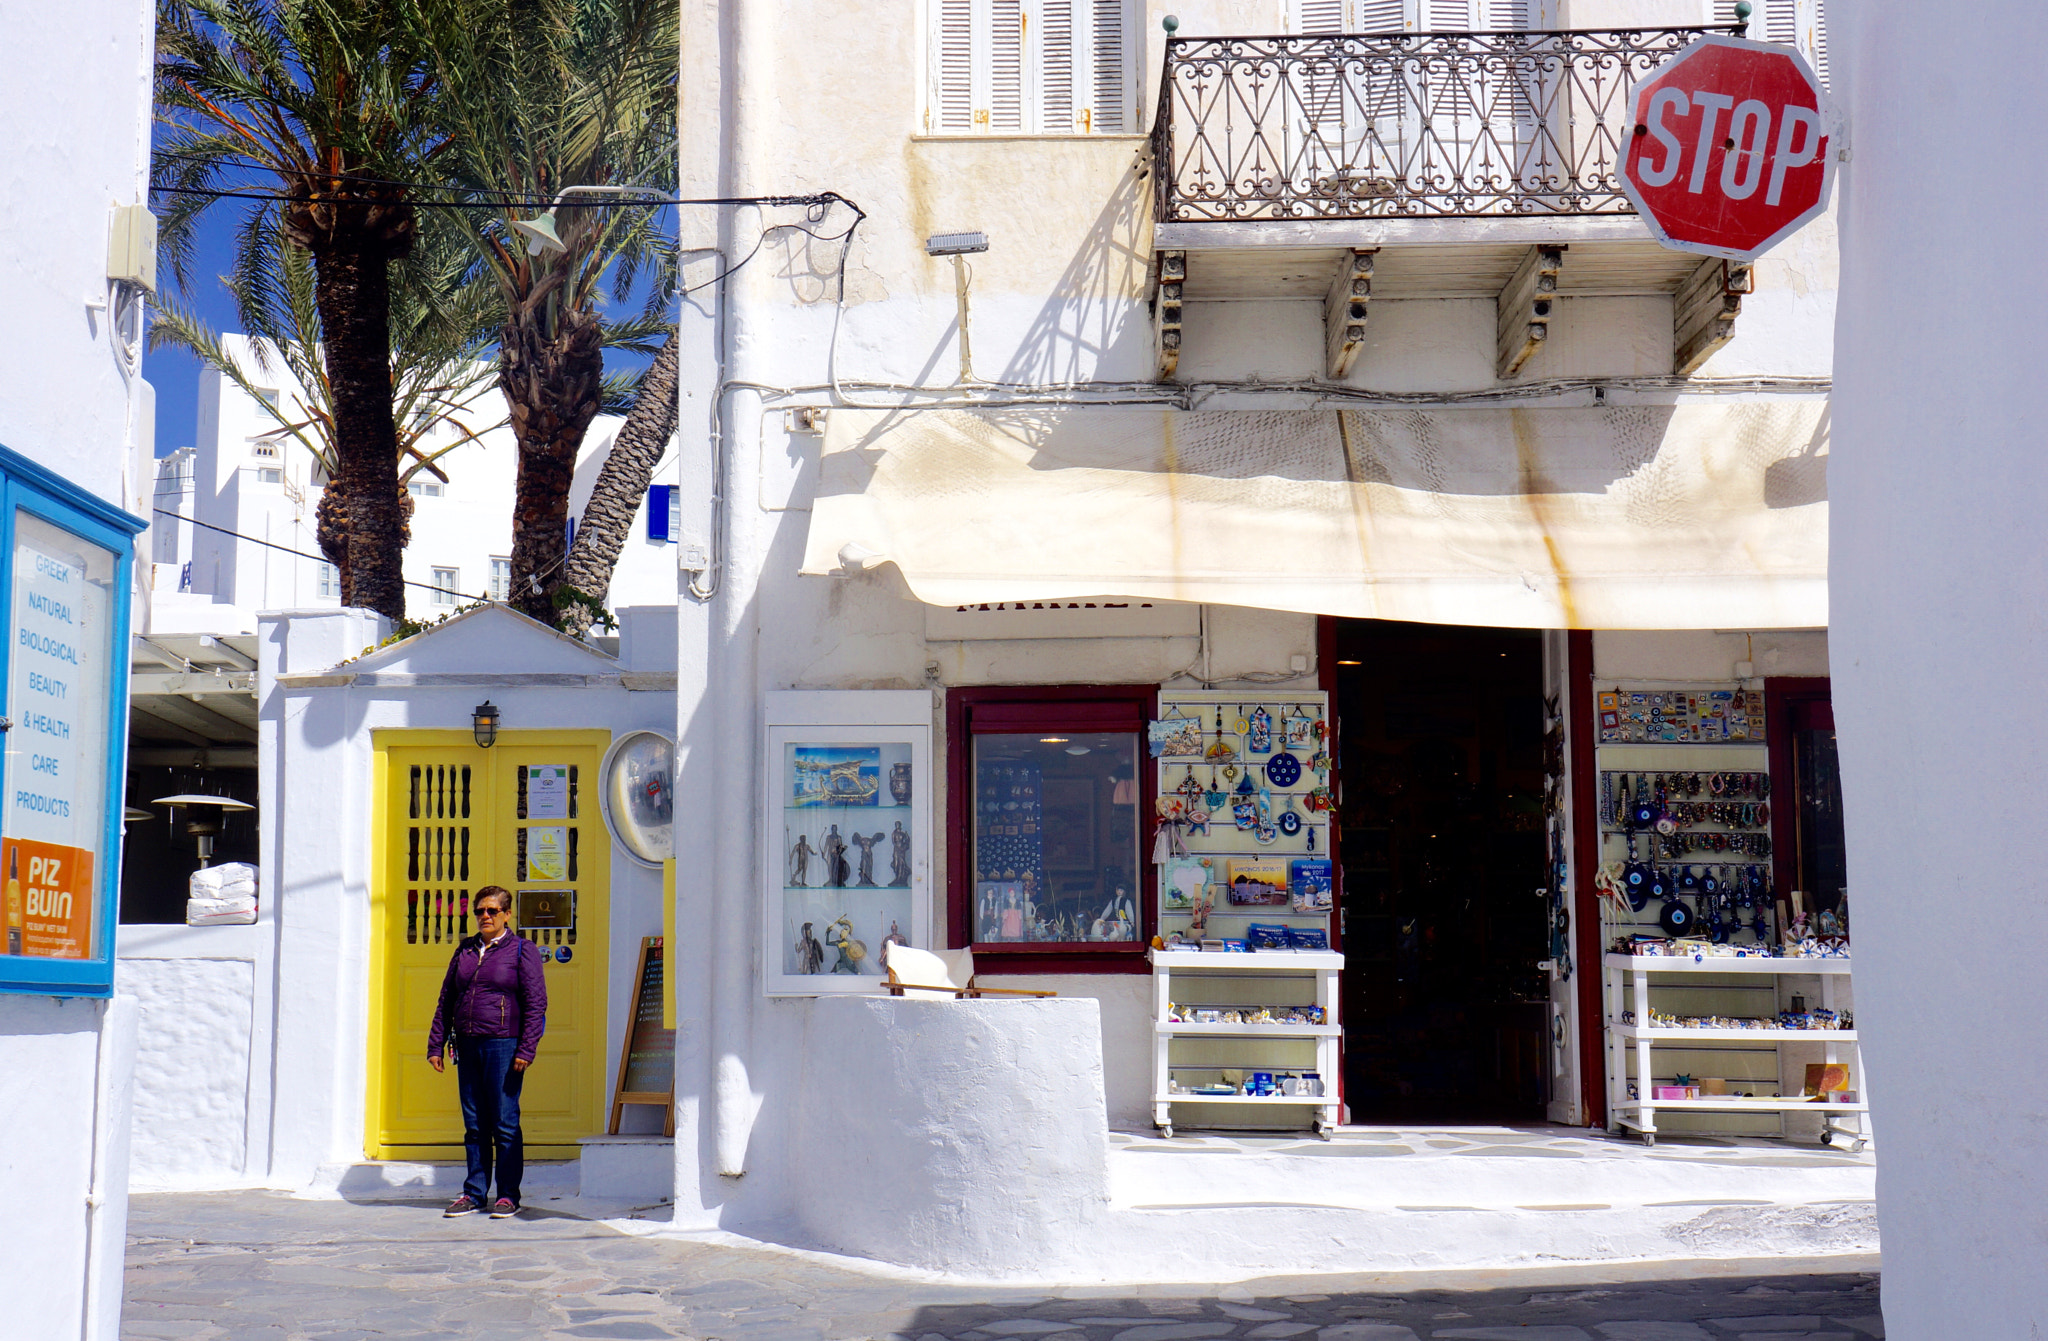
(1258, 882)
(1309, 880)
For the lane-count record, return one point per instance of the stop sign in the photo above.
(1728, 151)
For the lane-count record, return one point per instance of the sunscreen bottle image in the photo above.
(14, 900)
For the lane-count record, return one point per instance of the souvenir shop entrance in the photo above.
(1442, 845)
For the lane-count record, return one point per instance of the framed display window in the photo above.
(65, 563)
(847, 837)
(1049, 828)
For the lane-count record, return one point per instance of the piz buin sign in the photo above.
(1730, 152)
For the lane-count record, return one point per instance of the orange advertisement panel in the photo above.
(47, 903)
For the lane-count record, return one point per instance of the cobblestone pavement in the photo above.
(238, 1266)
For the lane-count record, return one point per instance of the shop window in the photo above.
(1048, 863)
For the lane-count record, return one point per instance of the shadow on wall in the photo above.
(1095, 321)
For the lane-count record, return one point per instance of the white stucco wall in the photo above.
(1938, 577)
(196, 1029)
(74, 94)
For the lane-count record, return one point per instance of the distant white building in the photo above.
(251, 492)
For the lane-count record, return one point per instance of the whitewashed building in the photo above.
(76, 252)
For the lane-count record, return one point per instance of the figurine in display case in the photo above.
(839, 935)
(865, 878)
(833, 849)
(895, 937)
(899, 858)
(810, 956)
(800, 862)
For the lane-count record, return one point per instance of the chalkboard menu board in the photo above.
(647, 1061)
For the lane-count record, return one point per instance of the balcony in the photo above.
(1411, 165)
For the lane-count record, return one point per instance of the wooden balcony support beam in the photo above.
(1344, 309)
(1704, 309)
(1524, 308)
(1169, 272)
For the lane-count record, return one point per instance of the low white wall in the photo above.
(967, 1136)
(192, 1069)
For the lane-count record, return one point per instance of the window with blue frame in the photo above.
(65, 564)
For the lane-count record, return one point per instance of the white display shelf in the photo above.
(1769, 1105)
(1773, 1035)
(1630, 1041)
(1777, 965)
(1319, 967)
(1250, 1030)
(1256, 961)
(1310, 1100)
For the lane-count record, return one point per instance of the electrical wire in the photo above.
(536, 202)
(318, 558)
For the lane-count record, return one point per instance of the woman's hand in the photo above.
(436, 1062)
(521, 1063)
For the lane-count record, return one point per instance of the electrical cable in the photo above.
(538, 202)
(317, 558)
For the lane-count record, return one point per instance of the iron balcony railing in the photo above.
(1400, 125)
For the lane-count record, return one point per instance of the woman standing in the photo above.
(493, 1009)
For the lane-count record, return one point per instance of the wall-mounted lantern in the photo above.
(484, 722)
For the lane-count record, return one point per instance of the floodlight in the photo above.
(955, 244)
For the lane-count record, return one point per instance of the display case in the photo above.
(846, 837)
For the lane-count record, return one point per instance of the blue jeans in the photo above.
(490, 1115)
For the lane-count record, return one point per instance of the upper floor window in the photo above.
(445, 580)
(1799, 24)
(1031, 67)
(327, 579)
(424, 488)
(1408, 16)
(501, 580)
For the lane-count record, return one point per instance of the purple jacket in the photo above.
(503, 996)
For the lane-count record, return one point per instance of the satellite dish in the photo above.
(636, 793)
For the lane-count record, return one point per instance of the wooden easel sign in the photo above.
(647, 1059)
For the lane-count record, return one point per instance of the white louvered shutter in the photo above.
(1318, 17)
(1384, 16)
(1505, 16)
(1816, 40)
(1005, 39)
(952, 68)
(1450, 16)
(1110, 109)
(1049, 26)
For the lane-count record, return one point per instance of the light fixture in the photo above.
(539, 231)
(209, 813)
(1351, 663)
(959, 246)
(1078, 749)
(483, 724)
(1052, 740)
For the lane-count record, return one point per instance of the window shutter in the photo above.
(953, 67)
(1055, 95)
(1384, 16)
(1005, 66)
(1506, 16)
(1449, 16)
(1815, 44)
(1780, 23)
(1309, 17)
(1107, 38)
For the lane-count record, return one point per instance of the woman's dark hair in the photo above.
(501, 895)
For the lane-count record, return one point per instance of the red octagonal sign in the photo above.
(1730, 148)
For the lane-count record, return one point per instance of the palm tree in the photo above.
(539, 96)
(621, 484)
(331, 98)
(441, 322)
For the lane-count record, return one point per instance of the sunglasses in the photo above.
(489, 912)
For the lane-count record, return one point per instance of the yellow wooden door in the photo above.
(452, 818)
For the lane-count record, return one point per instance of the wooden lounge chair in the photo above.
(940, 973)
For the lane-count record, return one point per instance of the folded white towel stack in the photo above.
(222, 895)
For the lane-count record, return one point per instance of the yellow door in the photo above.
(454, 817)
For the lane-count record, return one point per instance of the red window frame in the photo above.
(1048, 708)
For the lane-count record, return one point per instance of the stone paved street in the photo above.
(241, 1266)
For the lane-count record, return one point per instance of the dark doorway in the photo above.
(1441, 752)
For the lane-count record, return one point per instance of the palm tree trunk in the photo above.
(552, 387)
(353, 242)
(622, 484)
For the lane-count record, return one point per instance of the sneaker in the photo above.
(504, 1208)
(462, 1205)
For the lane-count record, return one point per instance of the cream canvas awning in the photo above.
(1707, 513)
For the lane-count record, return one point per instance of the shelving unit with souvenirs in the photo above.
(1245, 908)
(1684, 795)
